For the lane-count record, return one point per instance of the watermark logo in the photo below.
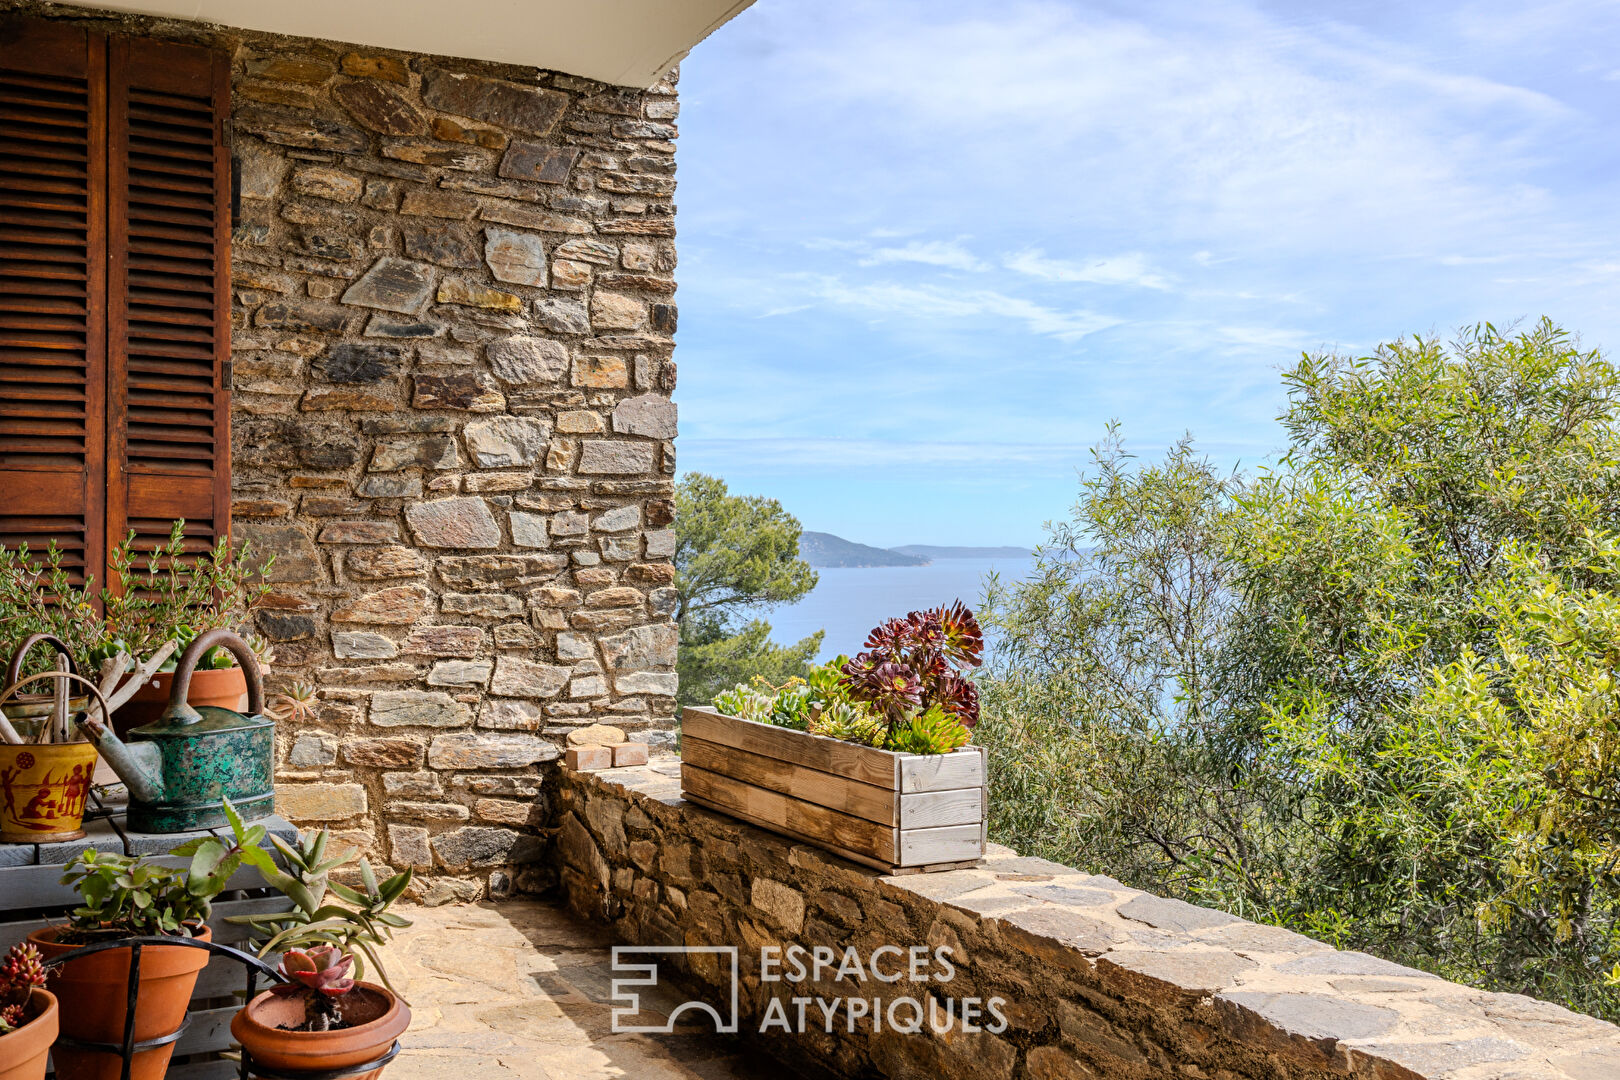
(631, 1007)
(903, 989)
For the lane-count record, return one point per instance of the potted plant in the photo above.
(166, 599)
(867, 757)
(125, 897)
(46, 766)
(324, 1017)
(129, 636)
(28, 1016)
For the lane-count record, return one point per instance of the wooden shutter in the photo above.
(52, 291)
(168, 292)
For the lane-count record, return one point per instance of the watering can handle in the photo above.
(230, 643)
(14, 669)
(94, 725)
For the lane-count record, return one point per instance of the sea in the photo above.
(848, 602)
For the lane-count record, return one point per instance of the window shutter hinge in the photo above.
(225, 376)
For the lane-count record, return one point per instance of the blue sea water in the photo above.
(848, 603)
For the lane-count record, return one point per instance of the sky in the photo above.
(930, 249)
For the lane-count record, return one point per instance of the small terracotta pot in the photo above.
(225, 688)
(97, 988)
(23, 1052)
(379, 1018)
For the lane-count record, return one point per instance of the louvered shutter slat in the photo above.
(170, 329)
(52, 260)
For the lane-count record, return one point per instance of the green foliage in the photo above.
(823, 703)
(735, 555)
(931, 731)
(1367, 693)
(132, 896)
(37, 597)
(1501, 775)
(712, 658)
(326, 912)
(733, 552)
(174, 592)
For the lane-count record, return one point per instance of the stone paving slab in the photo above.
(523, 990)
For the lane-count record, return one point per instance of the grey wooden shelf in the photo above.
(32, 896)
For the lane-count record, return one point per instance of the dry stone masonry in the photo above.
(454, 304)
(453, 317)
(1098, 981)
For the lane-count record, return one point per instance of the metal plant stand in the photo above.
(255, 967)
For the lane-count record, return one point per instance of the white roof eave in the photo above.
(623, 42)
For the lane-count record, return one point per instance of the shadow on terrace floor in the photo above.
(523, 990)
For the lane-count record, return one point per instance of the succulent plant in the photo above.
(914, 664)
(129, 896)
(746, 703)
(908, 691)
(320, 975)
(296, 704)
(932, 731)
(20, 973)
(353, 921)
(793, 708)
(849, 722)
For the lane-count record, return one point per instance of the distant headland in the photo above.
(825, 550)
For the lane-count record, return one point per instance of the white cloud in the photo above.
(1131, 269)
(1283, 340)
(934, 302)
(1220, 119)
(943, 253)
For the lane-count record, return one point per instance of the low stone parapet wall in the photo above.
(1026, 968)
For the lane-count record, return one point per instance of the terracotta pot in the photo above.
(97, 987)
(225, 688)
(379, 1018)
(23, 1052)
(42, 791)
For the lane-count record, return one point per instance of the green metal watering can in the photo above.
(180, 766)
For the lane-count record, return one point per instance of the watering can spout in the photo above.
(139, 765)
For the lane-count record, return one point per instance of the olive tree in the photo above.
(1366, 692)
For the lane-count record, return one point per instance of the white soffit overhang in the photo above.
(624, 42)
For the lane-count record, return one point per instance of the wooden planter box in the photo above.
(900, 813)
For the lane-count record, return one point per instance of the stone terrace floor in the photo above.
(523, 990)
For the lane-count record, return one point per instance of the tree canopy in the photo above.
(1367, 692)
(735, 556)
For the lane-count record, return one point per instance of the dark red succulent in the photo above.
(915, 662)
(22, 970)
(321, 970)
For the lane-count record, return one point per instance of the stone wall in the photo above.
(1097, 981)
(452, 425)
(453, 314)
